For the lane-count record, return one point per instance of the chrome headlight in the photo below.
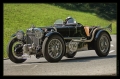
(20, 35)
(38, 33)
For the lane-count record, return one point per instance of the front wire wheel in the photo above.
(15, 54)
(102, 45)
(53, 48)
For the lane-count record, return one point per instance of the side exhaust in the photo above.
(83, 39)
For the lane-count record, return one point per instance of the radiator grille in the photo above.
(32, 39)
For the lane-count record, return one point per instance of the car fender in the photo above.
(13, 35)
(99, 32)
(54, 33)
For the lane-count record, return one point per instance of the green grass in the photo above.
(20, 16)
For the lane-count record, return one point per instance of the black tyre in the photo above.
(53, 48)
(70, 54)
(12, 54)
(102, 45)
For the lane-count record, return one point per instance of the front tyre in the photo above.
(53, 48)
(14, 50)
(102, 45)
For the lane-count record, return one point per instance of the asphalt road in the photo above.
(85, 63)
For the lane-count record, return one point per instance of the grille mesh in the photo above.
(32, 39)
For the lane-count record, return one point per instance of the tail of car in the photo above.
(109, 27)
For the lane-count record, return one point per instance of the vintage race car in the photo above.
(63, 38)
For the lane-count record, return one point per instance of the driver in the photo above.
(86, 28)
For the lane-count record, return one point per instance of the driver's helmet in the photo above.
(69, 17)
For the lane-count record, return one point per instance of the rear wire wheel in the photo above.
(102, 45)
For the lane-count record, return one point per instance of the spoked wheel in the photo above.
(102, 45)
(15, 51)
(53, 48)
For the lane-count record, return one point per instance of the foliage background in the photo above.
(104, 10)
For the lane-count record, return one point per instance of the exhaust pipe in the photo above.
(83, 39)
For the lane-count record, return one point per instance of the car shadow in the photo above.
(86, 59)
(78, 59)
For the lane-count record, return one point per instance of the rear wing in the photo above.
(109, 27)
